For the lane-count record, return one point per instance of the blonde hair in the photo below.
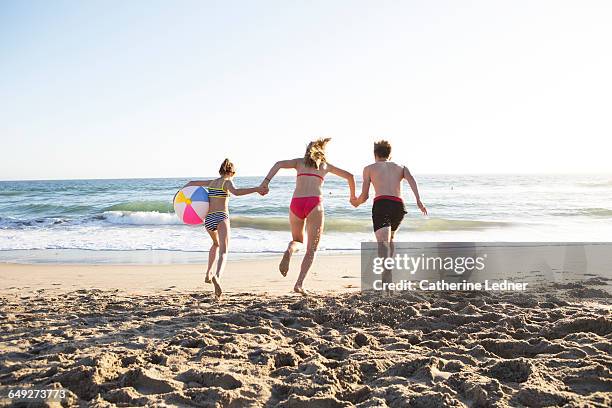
(315, 153)
(227, 168)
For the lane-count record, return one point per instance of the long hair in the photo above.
(315, 153)
(227, 168)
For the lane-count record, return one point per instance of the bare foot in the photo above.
(218, 290)
(207, 278)
(283, 267)
(387, 277)
(302, 291)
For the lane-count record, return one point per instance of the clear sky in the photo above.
(113, 89)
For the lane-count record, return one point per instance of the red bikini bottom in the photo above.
(302, 206)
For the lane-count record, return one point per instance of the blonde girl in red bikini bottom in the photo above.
(306, 212)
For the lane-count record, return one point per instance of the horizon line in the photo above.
(356, 175)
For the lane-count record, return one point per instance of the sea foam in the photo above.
(140, 218)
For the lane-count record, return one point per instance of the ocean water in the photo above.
(137, 214)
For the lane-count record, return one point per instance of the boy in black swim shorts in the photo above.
(388, 210)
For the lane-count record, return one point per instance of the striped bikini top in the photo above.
(218, 192)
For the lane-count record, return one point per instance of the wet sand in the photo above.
(333, 273)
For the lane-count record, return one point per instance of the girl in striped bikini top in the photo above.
(217, 220)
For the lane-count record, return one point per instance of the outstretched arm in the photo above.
(365, 188)
(415, 190)
(201, 183)
(350, 179)
(244, 191)
(283, 164)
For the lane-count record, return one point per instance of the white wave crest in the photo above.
(141, 218)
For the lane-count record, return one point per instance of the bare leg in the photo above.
(391, 252)
(314, 228)
(297, 235)
(383, 237)
(212, 254)
(224, 236)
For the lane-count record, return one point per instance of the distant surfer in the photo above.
(388, 209)
(306, 212)
(217, 220)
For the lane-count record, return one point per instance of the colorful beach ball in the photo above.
(191, 204)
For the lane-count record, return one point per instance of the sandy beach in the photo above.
(153, 335)
(335, 273)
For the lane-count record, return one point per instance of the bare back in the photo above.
(386, 177)
(309, 181)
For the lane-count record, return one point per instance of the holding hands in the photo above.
(357, 201)
(262, 190)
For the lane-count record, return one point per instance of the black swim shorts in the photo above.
(387, 212)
